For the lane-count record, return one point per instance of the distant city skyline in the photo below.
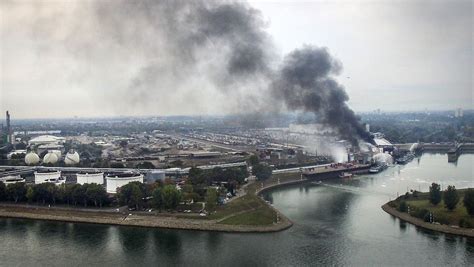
(58, 62)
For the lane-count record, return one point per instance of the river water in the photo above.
(335, 223)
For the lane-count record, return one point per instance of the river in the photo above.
(335, 223)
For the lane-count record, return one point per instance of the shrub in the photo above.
(403, 207)
(442, 219)
(421, 213)
(466, 223)
(427, 217)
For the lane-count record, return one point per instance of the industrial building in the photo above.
(90, 178)
(11, 179)
(46, 140)
(115, 181)
(46, 176)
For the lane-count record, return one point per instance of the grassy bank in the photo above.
(251, 209)
(247, 210)
(420, 207)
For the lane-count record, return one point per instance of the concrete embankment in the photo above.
(426, 225)
(169, 222)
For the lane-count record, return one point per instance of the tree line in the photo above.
(159, 196)
(451, 197)
(49, 193)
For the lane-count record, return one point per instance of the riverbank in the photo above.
(168, 222)
(426, 225)
(246, 213)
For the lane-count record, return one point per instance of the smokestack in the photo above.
(9, 130)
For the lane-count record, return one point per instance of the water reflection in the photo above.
(336, 223)
(168, 243)
(403, 226)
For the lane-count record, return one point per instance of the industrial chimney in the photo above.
(9, 129)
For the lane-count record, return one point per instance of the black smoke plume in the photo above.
(186, 53)
(304, 82)
(234, 32)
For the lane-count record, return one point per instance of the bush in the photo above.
(403, 207)
(466, 223)
(421, 213)
(427, 217)
(442, 219)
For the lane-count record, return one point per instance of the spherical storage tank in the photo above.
(50, 157)
(115, 181)
(90, 178)
(32, 158)
(71, 158)
(383, 158)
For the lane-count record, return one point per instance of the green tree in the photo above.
(145, 165)
(30, 194)
(16, 191)
(435, 194)
(253, 160)
(53, 193)
(157, 201)
(3, 192)
(96, 194)
(79, 194)
(187, 192)
(451, 197)
(171, 197)
(469, 201)
(136, 196)
(403, 207)
(262, 172)
(211, 199)
(194, 172)
(117, 165)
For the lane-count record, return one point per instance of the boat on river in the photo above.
(378, 168)
(406, 158)
(345, 175)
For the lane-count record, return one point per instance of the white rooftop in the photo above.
(46, 139)
(382, 142)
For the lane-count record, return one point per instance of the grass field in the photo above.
(440, 213)
(249, 202)
(261, 216)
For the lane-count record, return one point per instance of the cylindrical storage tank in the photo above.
(155, 175)
(45, 176)
(115, 181)
(50, 157)
(32, 158)
(71, 158)
(90, 178)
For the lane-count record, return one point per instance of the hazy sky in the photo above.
(63, 59)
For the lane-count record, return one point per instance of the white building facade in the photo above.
(116, 181)
(90, 178)
(45, 177)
